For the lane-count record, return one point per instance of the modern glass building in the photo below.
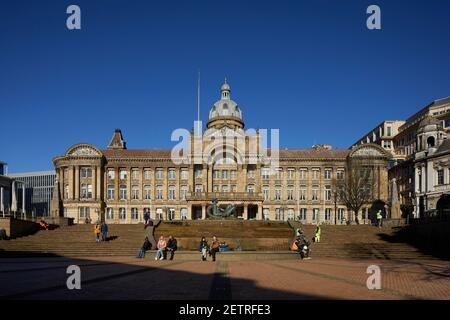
(38, 191)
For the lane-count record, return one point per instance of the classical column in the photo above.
(189, 212)
(94, 183)
(2, 206)
(99, 182)
(209, 179)
(71, 183)
(77, 183)
(203, 212)
(23, 199)
(128, 187)
(245, 214)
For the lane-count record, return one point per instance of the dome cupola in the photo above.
(225, 111)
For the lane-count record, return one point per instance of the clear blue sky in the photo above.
(310, 68)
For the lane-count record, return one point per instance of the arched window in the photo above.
(430, 142)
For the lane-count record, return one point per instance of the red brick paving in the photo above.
(130, 278)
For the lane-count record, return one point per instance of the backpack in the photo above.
(294, 246)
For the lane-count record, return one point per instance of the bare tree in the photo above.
(355, 189)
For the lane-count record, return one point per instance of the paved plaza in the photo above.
(130, 278)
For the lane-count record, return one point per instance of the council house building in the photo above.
(118, 185)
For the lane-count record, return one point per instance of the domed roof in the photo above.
(225, 107)
(429, 124)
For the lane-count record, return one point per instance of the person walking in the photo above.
(104, 229)
(97, 231)
(161, 246)
(317, 234)
(215, 245)
(171, 246)
(203, 248)
(379, 218)
(146, 246)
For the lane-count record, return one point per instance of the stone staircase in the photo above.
(258, 240)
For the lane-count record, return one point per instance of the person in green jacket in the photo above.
(379, 217)
(317, 234)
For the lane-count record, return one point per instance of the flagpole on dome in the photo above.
(198, 105)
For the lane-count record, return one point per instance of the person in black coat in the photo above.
(171, 246)
(203, 248)
(146, 246)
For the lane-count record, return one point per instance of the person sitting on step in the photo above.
(146, 246)
(161, 246)
(171, 246)
(203, 248)
(43, 224)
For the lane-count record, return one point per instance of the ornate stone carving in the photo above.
(368, 152)
(84, 151)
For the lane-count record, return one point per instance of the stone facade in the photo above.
(118, 185)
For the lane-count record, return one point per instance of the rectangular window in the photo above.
(134, 192)
(290, 194)
(279, 174)
(122, 214)
(279, 214)
(291, 174)
(198, 188)
(302, 194)
(159, 193)
(147, 193)
(316, 174)
(233, 188)
(277, 194)
(340, 174)
(86, 172)
(159, 213)
(303, 214)
(225, 188)
(89, 191)
(251, 174)
(290, 214)
(111, 193)
(315, 194)
(265, 173)
(198, 173)
(84, 213)
(233, 175)
(216, 174)
(171, 192)
(110, 214)
(123, 174)
(184, 174)
(316, 213)
(265, 191)
(303, 174)
(147, 210)
(83, 191)
(172, 174)
(327, 193)
(184, 191)
(440, 176)
(328, 214)
(225, 174)
(159, 174)
(184, 214)
(328, 174)
(341, 213)
(216, 188)
(147, 174)
(134, 214)
(135, 174)
(123, 192)
(250, 189)
(389, 131)
(171, 214)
